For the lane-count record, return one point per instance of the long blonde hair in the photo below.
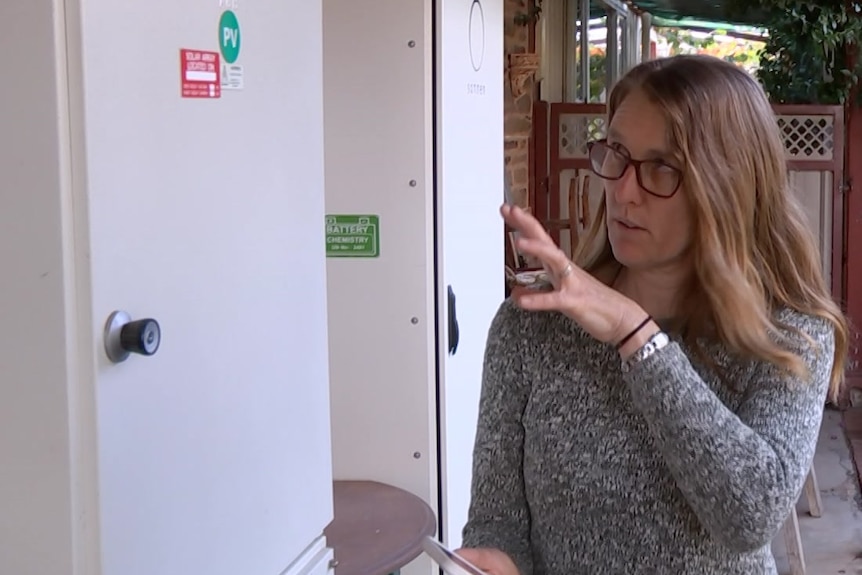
(753, 251)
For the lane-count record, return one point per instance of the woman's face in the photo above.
(645, 231)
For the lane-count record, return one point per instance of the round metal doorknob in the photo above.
(124, 336)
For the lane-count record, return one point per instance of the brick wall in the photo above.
(518, 112)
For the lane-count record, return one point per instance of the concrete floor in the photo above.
(832, 543)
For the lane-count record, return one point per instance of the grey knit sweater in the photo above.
(582, 469)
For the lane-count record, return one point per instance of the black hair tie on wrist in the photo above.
(633, 332)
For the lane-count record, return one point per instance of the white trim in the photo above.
(80, 353)
(311, 560)
(646, 36)
(555, 51)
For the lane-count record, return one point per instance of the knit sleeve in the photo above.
(498, 516)
(740, 472)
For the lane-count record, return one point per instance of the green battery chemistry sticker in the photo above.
(352, 236)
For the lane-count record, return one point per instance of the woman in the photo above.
(658, 410)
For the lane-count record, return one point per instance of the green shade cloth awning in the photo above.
(742, 30)
(710, 11)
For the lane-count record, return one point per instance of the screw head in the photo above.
(414, 320)
(411, 43)
(413, 183)
(416, 455)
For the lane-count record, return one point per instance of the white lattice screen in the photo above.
(578, 129)
(806, 137)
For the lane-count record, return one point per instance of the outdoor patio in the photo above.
(832, 544)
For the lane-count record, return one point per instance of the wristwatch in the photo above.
(658, 341)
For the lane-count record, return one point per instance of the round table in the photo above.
(377, 528)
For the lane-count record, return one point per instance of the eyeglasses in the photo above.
(654, 176)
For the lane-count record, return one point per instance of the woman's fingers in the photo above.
(477, 557)
(554, 259)
(535, 242)
(491, 561)
(599, 309)
(523, 222)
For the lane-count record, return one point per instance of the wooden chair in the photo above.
(790, 530)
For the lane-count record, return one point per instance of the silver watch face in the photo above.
(655, 343)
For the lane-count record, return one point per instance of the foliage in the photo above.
(598, 74)
(679, 41)
(677, 37)
(806, 57)
(741, 52)
(531, 16)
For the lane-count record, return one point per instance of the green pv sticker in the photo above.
(230, 40)
(352, 236)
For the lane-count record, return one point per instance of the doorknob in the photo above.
(124, 336)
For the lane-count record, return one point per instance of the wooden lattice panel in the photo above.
(808, 137)
(578, 129)
(805, 137)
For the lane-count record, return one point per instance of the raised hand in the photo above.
(601, 311)
(490, 561)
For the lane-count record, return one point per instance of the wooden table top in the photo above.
(378, 528)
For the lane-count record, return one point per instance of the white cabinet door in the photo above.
(206, 214)
(470, 190)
